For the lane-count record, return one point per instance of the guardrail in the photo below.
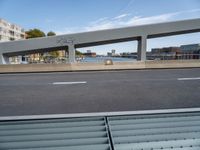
(64, 60)
(174, 57)
(166, 130)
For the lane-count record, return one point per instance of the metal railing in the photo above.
(174, 57)
(153, 57)
(155, 129)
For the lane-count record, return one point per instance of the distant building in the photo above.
(164, 53)
(112, 53)
(10, 31)
(190, 48)
(89, 53)
(109, 54)
(129, 55)
(166, 50)
(62, 53)
(191, 51)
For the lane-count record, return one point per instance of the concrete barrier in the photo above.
(99, 66)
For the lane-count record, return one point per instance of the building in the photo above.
(191, 51)
(190, 47)
(168, 53)
(10, 31)
(129, 55)
(112, 53)
(89, 53)
(166, 50)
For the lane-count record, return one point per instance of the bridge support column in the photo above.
(72, 53)
(142, 48)
(4, 59)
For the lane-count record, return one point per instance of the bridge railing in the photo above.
(152, 57)
(174, 57)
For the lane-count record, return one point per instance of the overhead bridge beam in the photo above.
(94, 38)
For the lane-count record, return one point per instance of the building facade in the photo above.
(112, 53)
(165, 53)
(190, 47)
(191, 51)
(89, 53)
(10, 31)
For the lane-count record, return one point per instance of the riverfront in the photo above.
(102, 59)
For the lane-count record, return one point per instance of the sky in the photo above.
(72, 16)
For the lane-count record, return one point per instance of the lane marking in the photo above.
(69, 83)
(182, 79)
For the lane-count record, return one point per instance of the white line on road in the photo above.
(182, 79)
(68, 83)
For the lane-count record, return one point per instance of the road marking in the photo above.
(68, 83)
(182, 79)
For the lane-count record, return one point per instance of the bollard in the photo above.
(108, 62)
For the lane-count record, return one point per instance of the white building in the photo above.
(112, 53)
(10, 31)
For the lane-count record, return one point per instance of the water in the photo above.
(101, 59)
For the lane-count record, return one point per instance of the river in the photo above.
(101, 59)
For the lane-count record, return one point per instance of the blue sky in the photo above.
(70, 16)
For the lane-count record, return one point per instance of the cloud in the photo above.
(100, 26)
(131, 21)
(117, 22)
(125, 20)
(99, 20)
(148, 20)
(69, 30)
(121, 16)
(191, 11)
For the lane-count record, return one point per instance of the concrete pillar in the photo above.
(4, 59)
(142, 48)
(20, 59)
(72, 53)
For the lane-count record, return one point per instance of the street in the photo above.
(83, 92)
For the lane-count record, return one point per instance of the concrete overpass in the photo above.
(72, 41)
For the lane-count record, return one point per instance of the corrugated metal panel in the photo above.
(151, 132)
(177, 131)
(55, 134)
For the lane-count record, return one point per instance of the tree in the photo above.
(51, 33)
(34, 33)
(54, 54)
(78, 53)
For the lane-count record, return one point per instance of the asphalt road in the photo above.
(60, 93)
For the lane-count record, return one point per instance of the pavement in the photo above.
(103, 91)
